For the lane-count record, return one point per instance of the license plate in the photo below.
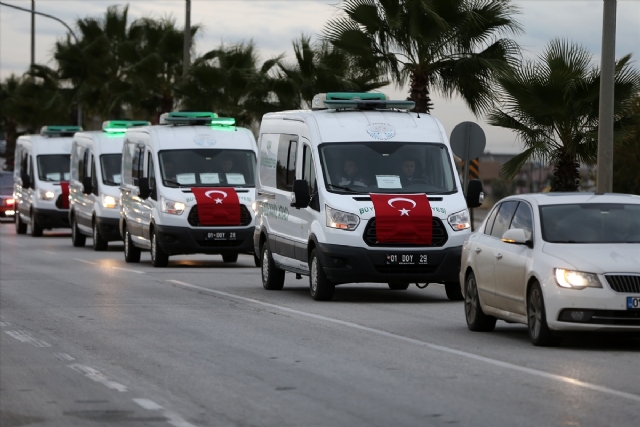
(221, 235)
(406, 259)
(633, 303)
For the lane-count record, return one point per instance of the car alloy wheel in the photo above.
(477, 320)
(539, 331)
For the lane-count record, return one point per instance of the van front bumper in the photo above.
(183, 241)
(109, 228)
(346, 264)
(51, 218)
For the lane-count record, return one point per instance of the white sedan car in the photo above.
(556, 262)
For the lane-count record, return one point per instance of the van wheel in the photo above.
(131, 253)
(539, 331)
(99, 243)
(36, 230)
(21, 227)
(321, 287)
(477, 321)
(397, 286)
(229, 257)
(159, 258)
(454, 293)
(272, 276)
(77, 238)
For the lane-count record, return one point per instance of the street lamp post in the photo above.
(33, 32)
(187, 38)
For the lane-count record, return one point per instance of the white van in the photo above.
(187, 187)
(94, 189)
(41, 179)
(322, 171)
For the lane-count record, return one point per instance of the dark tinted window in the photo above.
(309, 170)
(523, 219)
(111, 165)
(503, 219)
(207, 167)
(137, 165)
(54, 167)
(286, 164)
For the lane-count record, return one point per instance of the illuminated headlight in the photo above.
(171, 207)
(460, 220)
(576, 279)
(341, 220)
(46, 194)
(109, 202)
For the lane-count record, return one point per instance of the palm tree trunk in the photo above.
(419, 92)
(566, 176)
(12, 135)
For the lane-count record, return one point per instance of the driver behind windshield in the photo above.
(408, 173)
(350, 175)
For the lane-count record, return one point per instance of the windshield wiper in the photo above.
(106, 181)
(343, 188)
(174, 183)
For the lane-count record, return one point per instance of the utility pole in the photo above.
(607, 81)
(33, 32)
(187, 39)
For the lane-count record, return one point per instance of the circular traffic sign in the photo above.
(468, 140)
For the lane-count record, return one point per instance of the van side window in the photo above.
(30, 172)
(151, 172)
(82, 163)
(94, 177)
(309, 170)
(127, 160)
(503, 220)
(137, 164)
(286, 163)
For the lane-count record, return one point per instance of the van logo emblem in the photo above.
(218, 200)
(204, 140)
(403, 211)
(381, 131)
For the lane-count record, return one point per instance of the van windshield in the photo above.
(387, 167)
(111, 165)
(54, 167)
(207, 168)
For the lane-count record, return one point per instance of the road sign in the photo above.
(467, 142)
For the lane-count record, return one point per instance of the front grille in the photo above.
(219, 243)
(624, 283)
(439, 235)
(194, 219)
(406, 269)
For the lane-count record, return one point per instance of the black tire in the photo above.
(159, 258)
(539, 332)
(256, 260)
(77, 238)
(21, 227)
(477, 321)
(454, 293)
(272, 276)
(229, 257)
(398, 286)
(320, 286)
(131, 252)
(99, 243)
(36, 230)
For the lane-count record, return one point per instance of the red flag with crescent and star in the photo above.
(217, 206)
(403, 218)
(64, 186)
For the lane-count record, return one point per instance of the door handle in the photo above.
(478, 250)
(499, 255)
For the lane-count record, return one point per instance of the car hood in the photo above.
(598, 258)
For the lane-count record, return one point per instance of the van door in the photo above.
(83, 209)
(287, 224)
(134, 208)
(305, 216)
(151, 201)
(28, 188)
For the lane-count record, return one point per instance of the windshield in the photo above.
(111, 165)
(54, 167)
(591, 223)
(6, 183)
(387, 167)
(207, 168)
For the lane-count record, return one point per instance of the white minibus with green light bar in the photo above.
(41, 179)
(94, 188)
(187, 188)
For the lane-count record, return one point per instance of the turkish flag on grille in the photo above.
(65, 194)
(217, 206)
(403, 218)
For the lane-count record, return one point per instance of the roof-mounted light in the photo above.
(359, 101)
(187, 118)
(57, 130)
(120, 126)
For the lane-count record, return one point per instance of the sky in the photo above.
(273, 24)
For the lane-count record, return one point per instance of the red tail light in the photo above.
(10, 202)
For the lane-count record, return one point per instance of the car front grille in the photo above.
(439, 235)
(194, 219)
(624, 282)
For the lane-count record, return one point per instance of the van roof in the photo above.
(101, 142)
(167, 137)
(42, 144)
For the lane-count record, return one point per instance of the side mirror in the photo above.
(26, 182)
(475, 196)
(143, 185)
(516, 236)
(301, 196)
(87, 187)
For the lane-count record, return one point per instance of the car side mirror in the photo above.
(87, 186)
(516, 236)
(301, 196)
(143, 186)
(475, 196)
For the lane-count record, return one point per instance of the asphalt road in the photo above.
(86, 339)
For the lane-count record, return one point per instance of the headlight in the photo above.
(109, 202)
(46, 194)
(171, 207)
(576, 279)
(460, 220)
(341, 220)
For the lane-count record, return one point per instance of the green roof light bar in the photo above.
(59, 130)
(120, 126)
(223, 121)
(356, 96)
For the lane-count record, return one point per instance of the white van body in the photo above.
(44, 161)
(350, 256)
(96, 156)
(147, 224)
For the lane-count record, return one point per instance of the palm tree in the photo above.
(453, 46)
(626, 154)
(552, 105)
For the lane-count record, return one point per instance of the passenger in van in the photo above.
(350, 175)
(409, 175)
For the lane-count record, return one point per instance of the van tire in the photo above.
(320, 286)
(21, 227)
(398, 286)
(159, 258)
(229, 257)
(99, 243)
(453, 290)
(131, 252)
(36, 230)
(77, 238)
(272, 276)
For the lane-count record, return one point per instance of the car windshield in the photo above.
(111, 166)
(54, 167)
(207, 168)
(6, 183)
(387, 167)
(591, 223)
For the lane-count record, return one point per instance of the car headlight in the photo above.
(172, 207)
(109, 202)
(341, 220)
(46, 194)
(460, 220)
(576, 279)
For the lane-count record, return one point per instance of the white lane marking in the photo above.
(444, 349)
(4, 323)
(63, 356)
(49, 252)
(24, 336)
(147, 404)
(85, 261)
(96, 376)
(128, 269)
(172, 418)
